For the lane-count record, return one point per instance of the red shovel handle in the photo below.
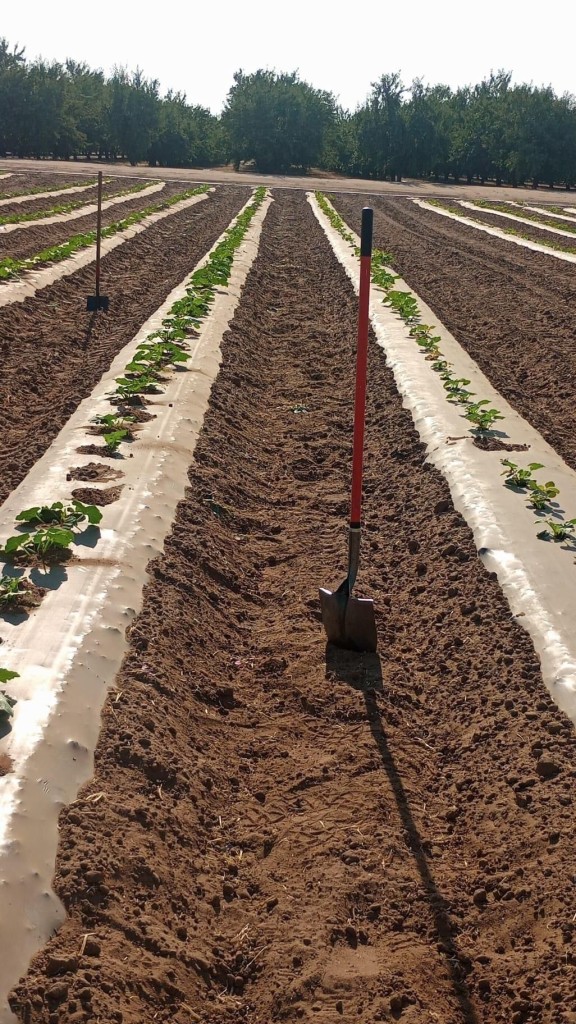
(361, 363)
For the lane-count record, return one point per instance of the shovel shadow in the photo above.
(363, 673)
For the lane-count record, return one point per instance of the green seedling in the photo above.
(557, 531)
(50, 544)
(516, 476)
(541, 494)
(114, 439)
(441, 366)
(483, 419)
(46, 544)
(6, 701)
(457, 390)
(60, 514)
(404, 304)
(117, 429)
(9, 590)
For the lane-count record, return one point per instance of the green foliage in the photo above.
(68, 515)
(277, 121)
(11, 590)
(482, 418)
(51, 543)
(516, 476)
(6, 701)
(557, 530)
(541, 495)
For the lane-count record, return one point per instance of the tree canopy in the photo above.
(490, 131)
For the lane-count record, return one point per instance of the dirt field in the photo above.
(277, 831)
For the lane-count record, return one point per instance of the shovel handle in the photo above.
(361, 365)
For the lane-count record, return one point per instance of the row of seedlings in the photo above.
(50, 529)
(480, 414)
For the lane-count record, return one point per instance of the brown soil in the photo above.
(52, 352)
(95, 496)
(520, 229)
(280, 832)
(23, 181)
(6, 765)
(21, 244)
(29, 598)
(512, 309)
(96, 471)
(88, 195)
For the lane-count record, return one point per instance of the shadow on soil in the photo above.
(363, 672)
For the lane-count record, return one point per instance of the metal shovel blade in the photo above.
(348, 621)
(95, 302)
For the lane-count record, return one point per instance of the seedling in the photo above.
(18, 593)
(517, 477)
(6, 701)
(10, 591)
(59, 514)
(557, 531)
(50, 544)
(541, 494)
(442, 366)
(483, 419)
(456, 388)
(404, 304)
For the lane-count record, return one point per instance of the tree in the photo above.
(277, 121)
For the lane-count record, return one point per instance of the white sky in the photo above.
(338, 46)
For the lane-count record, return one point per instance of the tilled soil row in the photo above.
(21, 181)
(512, 309)
(21, 244)
(533, 234)
(89, 195)
(277, 831)
(52, 352)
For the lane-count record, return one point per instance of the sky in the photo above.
(340, 46)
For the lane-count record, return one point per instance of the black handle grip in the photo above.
(366, 234)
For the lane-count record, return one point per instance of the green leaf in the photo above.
(92, 513)
(6, 675)
(6, 702)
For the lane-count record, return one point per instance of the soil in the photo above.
(511, 308)
(52, 352)
(88, 195)
(41, 179)
(29, 598)
(280, 831)
(95, 496)
(96, 471)
(29, 242)
(534, 234)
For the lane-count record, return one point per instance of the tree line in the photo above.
(510, 134)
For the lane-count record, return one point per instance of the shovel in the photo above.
(95, 302)
(349, 621)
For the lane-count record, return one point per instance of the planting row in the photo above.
(54, 352)
(48, 531)
(30, 183)
(509, 308)
(552, 524)
(259, 802)
(22, 214)
(560, 240)
(42, 244)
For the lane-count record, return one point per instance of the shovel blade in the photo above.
(348, 621)
(95, 302)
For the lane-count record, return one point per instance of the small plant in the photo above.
(557, 531)
(404, 303)
(50, 544)
(483, 419)
(541, 494)
(117, 429)
(6, 701)
(456, 388)
(516, 476)
(60, 514)
(17, 593)
(10, 591)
